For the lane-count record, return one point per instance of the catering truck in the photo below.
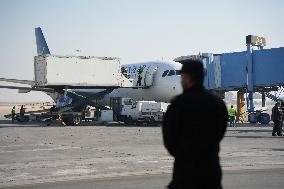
(78, 72)
(58, 74)
(138, 112)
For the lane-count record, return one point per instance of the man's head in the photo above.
(232, 106)
(192, 73)
(278, 104)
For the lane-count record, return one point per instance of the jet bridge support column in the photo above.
(262, 99)
(241, 107)
(250, 76)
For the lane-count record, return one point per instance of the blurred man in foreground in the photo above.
(193, 127)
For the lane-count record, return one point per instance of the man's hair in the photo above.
(194, 68)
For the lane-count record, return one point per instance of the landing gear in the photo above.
(128, 120)
(258, 117)
(72, 120)
(263, 118)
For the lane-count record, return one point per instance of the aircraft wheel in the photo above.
(71, 120)
(264, 118)
(128, 120)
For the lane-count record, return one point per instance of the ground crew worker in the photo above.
(139, 71)
(232, 115)
(13, 112)
(277, 118)
(86, 113)
(22, 113)
(124, 72)
(192, 139)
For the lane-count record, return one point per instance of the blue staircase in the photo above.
(275, 97)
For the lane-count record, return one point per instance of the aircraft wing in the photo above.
(27, 89)
(86, 94)
(87, 99)
(27, 82)
(23, 89)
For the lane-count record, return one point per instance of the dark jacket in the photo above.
(276, 114)
(193, 127)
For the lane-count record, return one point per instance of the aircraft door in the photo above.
(149, 75)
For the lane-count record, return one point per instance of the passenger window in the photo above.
(165, 73)
(172, 72)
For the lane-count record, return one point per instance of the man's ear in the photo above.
(188, 80)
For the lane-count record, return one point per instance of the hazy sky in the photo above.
(133, 30)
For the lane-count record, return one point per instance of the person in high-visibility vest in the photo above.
(139, 71)
(232, 115)
(13, 113)
(22, 113)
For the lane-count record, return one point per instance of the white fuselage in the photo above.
(165, 85)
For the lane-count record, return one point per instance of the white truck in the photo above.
(139, 112)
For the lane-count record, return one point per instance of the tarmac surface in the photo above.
(41, 155)
(252, 179)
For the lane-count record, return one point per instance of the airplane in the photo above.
(164, 82)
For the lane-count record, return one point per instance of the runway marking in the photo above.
(85, 177)
(20, 145)
(73, 171)
(37, 150)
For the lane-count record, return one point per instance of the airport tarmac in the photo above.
(32, 153)
(250, 179)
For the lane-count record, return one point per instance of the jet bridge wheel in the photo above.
(257, 117)
(263, 118)
(72, 120)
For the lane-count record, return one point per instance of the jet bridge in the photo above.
(254, 70)
(230, 71)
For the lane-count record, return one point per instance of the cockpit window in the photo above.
(165, 73)
(172, 72)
